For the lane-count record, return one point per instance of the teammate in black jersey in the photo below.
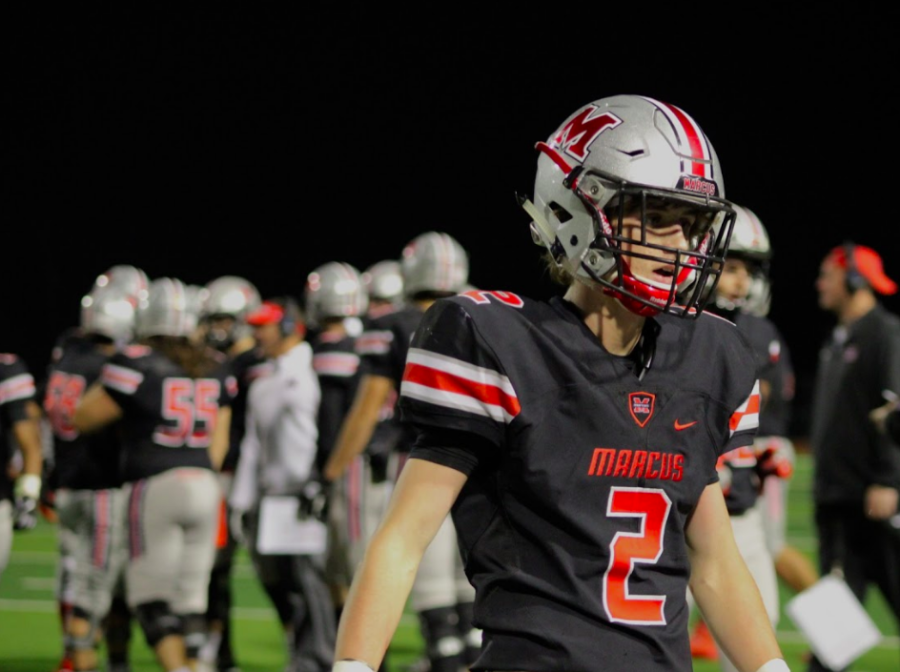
(89, 499)
(226, 303)
(172, 403)
(750, 471)
(433, 265)
(18, 422)
(576, 441)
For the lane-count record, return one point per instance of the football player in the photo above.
(132, 283)
(226, 302)
(172, 400)
(89, 500)
(19, 426)
(334, 292)
(433, 265)
(755, 479)
(576, 440)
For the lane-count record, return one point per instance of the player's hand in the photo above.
(881, 502)
(314, 500)
(26, 493)
(771, 462)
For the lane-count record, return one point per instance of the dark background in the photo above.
(258, 143)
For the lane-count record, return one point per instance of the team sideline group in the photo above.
(598, 452)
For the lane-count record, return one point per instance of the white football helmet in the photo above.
(434, 262)
(229, 296)
(167, 312)
(334, 290)
(130, 279)
(108, 311)
(383, 281)
(625, 152)
(750, 242)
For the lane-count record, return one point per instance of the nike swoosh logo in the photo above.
(679, 426)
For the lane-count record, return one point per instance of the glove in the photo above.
(771, 462)
(26, 493)
(314, 500)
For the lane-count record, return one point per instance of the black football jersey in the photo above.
(582, 475)
(337, 366)
(383, 347)
(245, 367)
(168, 416)
(741, 486)
(774, 365)
(16, 390)
(92, 461)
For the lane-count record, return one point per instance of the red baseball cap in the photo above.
(268, 313)
(868, 264)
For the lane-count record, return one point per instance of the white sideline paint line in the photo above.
(32, 583)
(242, 613)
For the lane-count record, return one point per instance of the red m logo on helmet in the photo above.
(577, 136)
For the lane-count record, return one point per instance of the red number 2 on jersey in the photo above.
(63, 392)
(192, 406)
(652, 506)
(507, 298)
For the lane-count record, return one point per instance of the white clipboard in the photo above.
(282, 533)
(835, 624)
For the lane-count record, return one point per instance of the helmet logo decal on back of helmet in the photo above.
(576, 137)
(641, 406)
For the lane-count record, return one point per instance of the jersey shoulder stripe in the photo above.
(374, 342)
(16, 388)
(452, 383)
(121, 379)
(338, 364)
(746, 416)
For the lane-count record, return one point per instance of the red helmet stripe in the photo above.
(695, 138)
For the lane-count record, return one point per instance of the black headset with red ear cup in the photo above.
(290, 321)
(855, 279)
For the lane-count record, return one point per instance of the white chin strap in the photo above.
(539, 221)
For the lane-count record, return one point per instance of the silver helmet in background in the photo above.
(223, 314)
(334, 290)
(434, 262)
(108, 311)
(167, 312)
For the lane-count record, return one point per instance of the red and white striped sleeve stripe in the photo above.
(452, 383)
(17, 387)
(339, 364)
(374, 342)
(747, 414)
(121, 379)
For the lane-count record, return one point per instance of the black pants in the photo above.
(296, 586)
(867, 550)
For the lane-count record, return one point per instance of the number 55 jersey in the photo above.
(169, 416)
(584, 469)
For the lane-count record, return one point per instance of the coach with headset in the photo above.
(857, 468)
(277, 463)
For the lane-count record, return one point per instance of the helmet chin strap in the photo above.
(639, 288)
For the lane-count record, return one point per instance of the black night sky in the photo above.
(240, 140)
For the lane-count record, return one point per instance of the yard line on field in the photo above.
(35, 583)
(242, 613)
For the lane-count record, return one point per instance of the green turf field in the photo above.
(29, 631)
